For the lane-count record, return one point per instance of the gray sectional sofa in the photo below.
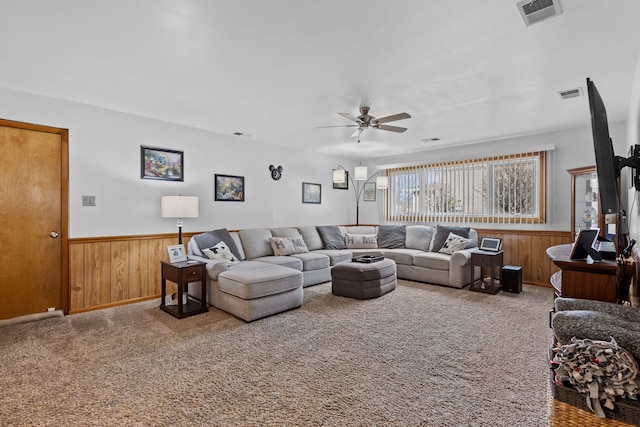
(257, 272)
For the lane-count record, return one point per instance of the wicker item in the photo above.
(626, 411)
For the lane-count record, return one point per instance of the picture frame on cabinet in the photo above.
(176, 253)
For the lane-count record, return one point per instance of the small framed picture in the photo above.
(369, 192)
(342, 185)
(160, 163)
(311, 193)
(176, 253)
(229, 188)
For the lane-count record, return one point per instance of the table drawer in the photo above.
(191, 274)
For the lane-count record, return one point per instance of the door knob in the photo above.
(53, 234)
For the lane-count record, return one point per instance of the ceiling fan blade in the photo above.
(392, 118)
(357, 132)
(350, 117)
(337, 126)
(391, 128)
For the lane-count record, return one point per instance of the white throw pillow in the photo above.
(454, 243)
(221, 252)
(288, 245)
(361, 241)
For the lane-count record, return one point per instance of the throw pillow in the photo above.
(288, 245)
(211, 238)
(361, 241)
(331, 236)
(442, 234)
(454, 243)
(391, 236)
(221, 252)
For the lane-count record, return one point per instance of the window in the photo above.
(507, 189)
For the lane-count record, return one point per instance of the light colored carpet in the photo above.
(421, 355)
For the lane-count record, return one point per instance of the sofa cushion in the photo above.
(311, 237)
(284, 261)
(331, 237)
(361, 241)
(419, 237)
(312, 261)
(211, 238)
(401, 256)
(285, 232)
(259, 282)
(434, 260)
(442, 234)
(255, 242)
(454, 243)
(391, 236)
(288, 245)
(336, 255)
(220, 252)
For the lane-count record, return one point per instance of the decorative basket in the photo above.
(625, 410)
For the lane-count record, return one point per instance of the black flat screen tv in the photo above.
(606, 166)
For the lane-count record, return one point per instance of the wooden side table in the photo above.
(183, 273)
(491, 261)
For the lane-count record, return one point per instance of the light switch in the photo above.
(88, 200)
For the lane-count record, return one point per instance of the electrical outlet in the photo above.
(88, 200)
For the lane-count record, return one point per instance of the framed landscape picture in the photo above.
(161, 163)
(311, 193)
(369, 192)
(229, 188)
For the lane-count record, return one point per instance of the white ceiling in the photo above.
(467, 71)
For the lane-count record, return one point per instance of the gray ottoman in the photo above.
(363, 280)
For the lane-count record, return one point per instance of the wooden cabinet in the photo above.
(183, 273)
(581, 278)
(490, 263)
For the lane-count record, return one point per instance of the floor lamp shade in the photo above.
(382, 182)
(361, 173)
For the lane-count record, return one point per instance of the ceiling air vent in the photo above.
(538, 10)
(570, 93)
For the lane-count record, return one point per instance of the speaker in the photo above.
(512, 279)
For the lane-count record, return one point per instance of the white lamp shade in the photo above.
(361, 173)
(339, 176)
(179, 207)
(382, 182)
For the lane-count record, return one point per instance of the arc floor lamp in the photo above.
(360, 176)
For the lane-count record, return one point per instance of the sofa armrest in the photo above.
(461, 258)
(213, 267)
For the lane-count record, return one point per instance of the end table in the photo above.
(491, 261)
(182, 273)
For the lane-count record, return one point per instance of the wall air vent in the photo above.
(534, 11)
(570, 93)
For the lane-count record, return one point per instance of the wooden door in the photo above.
(33, 216)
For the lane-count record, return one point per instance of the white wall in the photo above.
(104, 161)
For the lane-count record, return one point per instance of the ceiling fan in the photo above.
(365, 121)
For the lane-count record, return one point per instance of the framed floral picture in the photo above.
(369, 192)
(161, 163)
(311, 193)
(229, 188)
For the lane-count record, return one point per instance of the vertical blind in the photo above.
(504, 189)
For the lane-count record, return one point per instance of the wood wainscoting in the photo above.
(110, 271)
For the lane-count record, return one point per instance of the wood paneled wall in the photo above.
(109, 271)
